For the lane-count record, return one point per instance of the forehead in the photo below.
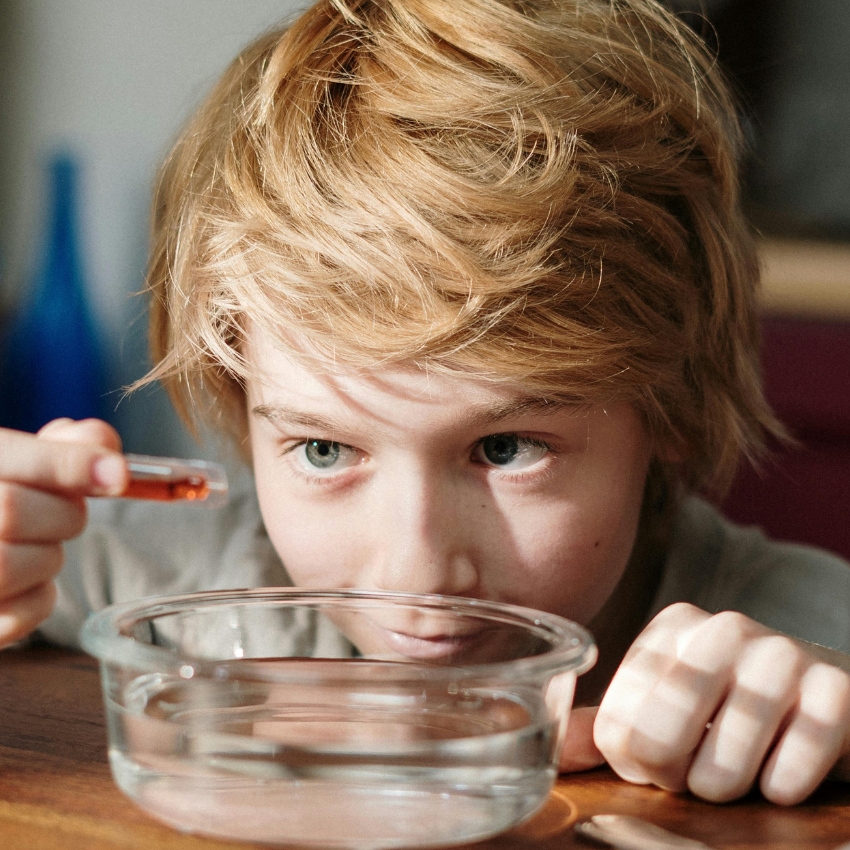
(283, 383)
(404, 405)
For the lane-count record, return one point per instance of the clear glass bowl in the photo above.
(347, 719)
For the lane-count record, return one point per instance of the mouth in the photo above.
(409, 633)
(433, 647)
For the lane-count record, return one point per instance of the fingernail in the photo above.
(109, 475)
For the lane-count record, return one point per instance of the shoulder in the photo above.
(134, 549)
(718, 565)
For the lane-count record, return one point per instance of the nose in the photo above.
(423, 541)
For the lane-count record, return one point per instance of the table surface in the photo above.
(56, 790)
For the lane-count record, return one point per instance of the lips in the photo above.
(407, 633)
(432, 647)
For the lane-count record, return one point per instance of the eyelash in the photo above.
(317, 479)
(525, 472)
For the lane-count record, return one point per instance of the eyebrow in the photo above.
(490, 414)
(477, 416)
(283, 413)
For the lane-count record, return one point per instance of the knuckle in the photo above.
(99, 432)
(91, 432)
(734, 625)
(54, 426)
(683, 608)
(826, 695)
(780, 651)
(678, 611)
(734, 620)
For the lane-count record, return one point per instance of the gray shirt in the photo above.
(133, 549)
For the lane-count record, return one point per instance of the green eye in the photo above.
(322, 454)
(324, 458)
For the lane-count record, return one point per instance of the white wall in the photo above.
(112, 80)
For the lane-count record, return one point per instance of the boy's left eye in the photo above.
(509, 451)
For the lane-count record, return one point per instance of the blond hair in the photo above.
(542, 191)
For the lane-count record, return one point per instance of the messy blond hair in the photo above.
(542, 191)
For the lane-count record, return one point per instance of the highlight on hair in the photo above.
(541, 191)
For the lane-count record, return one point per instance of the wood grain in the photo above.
(56, 792)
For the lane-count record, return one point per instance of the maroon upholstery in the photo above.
(803, 492)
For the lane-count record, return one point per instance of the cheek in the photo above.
(316, 545)
(571, 560)
(572, 553)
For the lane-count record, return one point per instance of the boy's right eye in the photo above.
(318, 456)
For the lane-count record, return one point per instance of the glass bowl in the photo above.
(349, 719)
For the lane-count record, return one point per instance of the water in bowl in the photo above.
(366, 765)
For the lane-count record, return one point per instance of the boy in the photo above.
(469, 286)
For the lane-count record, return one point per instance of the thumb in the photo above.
(578, 751)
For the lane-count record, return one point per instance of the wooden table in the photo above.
(56, 790)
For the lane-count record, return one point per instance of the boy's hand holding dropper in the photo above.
(44, 480)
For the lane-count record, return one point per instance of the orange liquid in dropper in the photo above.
(192, 489)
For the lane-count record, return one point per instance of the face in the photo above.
(402, 480)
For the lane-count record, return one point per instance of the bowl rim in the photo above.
(574, 651)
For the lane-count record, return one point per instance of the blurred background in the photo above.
(93, 91)
(106, 85)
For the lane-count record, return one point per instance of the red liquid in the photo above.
(192, 489)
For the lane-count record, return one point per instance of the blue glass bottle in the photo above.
(52, 363)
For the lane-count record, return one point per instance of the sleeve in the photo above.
(131, 550)
(798, 590)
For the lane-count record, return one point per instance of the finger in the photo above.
(815, 738)
(764, 688)
(579, 752)
(671, 723)
(21, 615)
(646, 726)
(93, 431)
(25, 566)
(56, 425)
(35, 516)
(61, 466)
